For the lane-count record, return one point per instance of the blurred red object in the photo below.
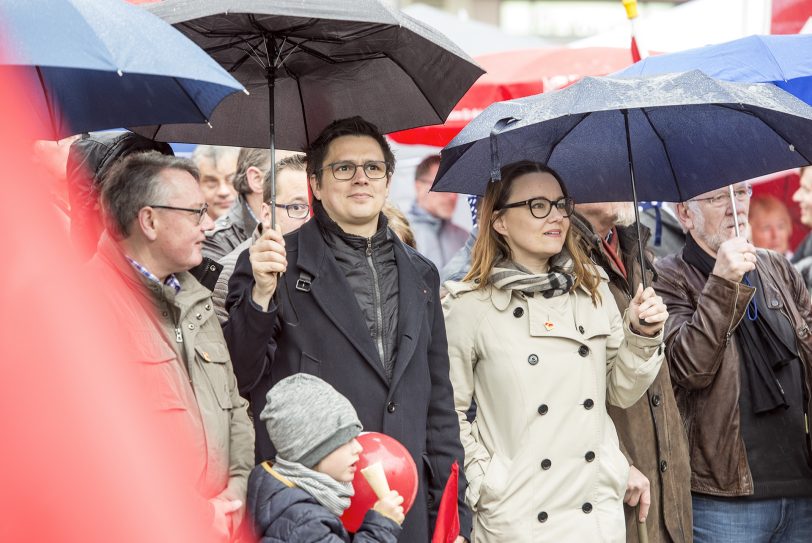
(400, 470)
(81, 461)
(515, 74)
(447, 527)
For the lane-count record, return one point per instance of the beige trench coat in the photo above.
(542, 457)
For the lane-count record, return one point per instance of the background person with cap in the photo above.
(300, 497)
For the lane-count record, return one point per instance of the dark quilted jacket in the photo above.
(291, 515)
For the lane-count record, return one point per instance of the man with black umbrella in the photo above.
(356, 307)
(740, 355)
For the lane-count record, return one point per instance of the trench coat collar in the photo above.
(333, 294)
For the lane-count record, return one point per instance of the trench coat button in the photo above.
(165, 313)
(656, 400)
(518, 312)
(207, 307)
(533, 359)
(586, 508)
(589, 456)
(546, 464)
(543, 409)
(663, 465)
(391, 406)
(199, 316)
(589, 403)
(542, 516)
(583, 350)
(191, 326)
(581, 329)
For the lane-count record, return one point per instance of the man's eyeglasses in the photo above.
(345, 170)
(723, 198)
(200, 212)
(295, 211)
(540, 207)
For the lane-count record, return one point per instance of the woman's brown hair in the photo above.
(490, 247)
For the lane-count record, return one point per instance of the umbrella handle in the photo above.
(642, 532)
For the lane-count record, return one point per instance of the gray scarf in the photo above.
(507, 275)
(332, 494)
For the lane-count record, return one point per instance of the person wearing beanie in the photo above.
(301, 495)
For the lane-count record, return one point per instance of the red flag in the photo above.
(635, 50)
(447, 528)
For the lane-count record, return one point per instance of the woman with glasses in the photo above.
(536, 341)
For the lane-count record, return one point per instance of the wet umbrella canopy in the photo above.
(96, 64)
(686, 133)
(324, 60)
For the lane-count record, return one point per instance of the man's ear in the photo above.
(685, 216)
(315, 186)
(255, 178)
(147, 222)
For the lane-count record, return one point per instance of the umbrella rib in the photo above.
(554, 146)
(667, 154)
(771, 127)
(189, 96)
(51, 113)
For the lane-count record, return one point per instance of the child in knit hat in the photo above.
(300, 497)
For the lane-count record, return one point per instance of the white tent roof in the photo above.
(689, 25)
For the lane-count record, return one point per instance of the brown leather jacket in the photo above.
(704, 362)
(651, 432)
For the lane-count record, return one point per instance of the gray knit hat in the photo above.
(307, 419)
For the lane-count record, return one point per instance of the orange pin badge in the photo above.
(548, 325)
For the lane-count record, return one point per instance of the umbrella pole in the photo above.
(634, 195)
(735, 212)
(271, 83)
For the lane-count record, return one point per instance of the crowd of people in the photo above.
(579, 405)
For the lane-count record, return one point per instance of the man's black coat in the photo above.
(320, 330)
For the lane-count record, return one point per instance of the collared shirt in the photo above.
(171, 280)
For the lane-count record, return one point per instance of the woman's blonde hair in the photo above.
(490, 247)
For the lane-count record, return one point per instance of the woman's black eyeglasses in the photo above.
(540, 206)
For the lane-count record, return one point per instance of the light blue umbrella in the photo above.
(97, 64)
(783, 60)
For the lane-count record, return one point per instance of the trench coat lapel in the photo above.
(333, 294)
(413, 297)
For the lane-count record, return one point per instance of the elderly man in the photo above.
(430, 216)
(217, 166)
(650, 431)
(740, 355)
(292, 211)
(356, 307)
(155, 215)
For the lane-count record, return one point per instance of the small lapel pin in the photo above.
(206, 356)
(548, 325)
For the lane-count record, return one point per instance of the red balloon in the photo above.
(400, 470)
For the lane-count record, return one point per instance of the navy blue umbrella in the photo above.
(666, 138)
(96, 64)
(782, 60)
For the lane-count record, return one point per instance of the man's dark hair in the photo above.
(352, 126)
(134, 183)
(426, 165)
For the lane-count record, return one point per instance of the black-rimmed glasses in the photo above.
(540, 206)
(345, 170)
(295, 211)
(201, 211)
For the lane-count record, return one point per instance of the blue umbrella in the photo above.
(783, 60)
(96, 64)
(679, 134)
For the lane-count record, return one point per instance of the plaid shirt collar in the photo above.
(171, 280)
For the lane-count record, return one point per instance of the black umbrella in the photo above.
(307, 63)
(665, 138)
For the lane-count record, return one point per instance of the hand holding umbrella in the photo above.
(648, 312)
